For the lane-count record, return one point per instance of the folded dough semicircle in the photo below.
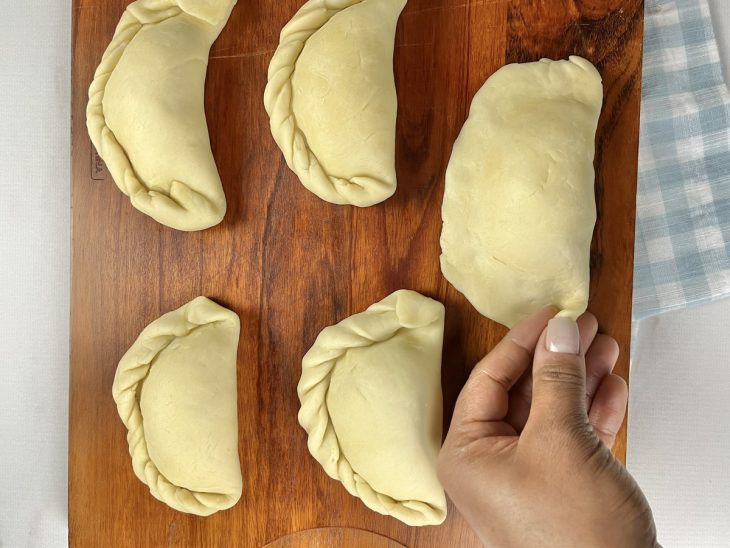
(145, 114)
(175, 390)
(404, 397)
(331, 98)
(519, 202)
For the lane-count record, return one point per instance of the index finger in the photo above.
(485, 396)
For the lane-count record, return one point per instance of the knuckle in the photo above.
(502, 380)
(579, 430)
(606, 433)
(518, 352)
(570, 434)
(580, 446)
(561, 372)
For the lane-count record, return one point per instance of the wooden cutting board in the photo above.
(290, 264)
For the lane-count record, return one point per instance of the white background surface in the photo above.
(679, 433)
(679, 424)
(35, 45)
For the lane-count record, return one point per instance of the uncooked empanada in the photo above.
(519, 207)
(145, 114)
(175, 390)
(331, 98)
(371, 403)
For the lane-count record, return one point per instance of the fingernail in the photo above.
(563, 336)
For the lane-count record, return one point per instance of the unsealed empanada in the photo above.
(175, 390)
(332, 101)
(370, 397)
(146, 115)
(519, 206)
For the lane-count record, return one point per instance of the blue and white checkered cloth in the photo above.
(683, 202)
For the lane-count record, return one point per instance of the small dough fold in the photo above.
(519, 206)
(371, 404)
(146, 114)
(175, 391)
(331, 98)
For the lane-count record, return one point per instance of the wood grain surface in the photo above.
(334, 537)
(290, 264)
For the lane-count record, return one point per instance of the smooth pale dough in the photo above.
(146, 115)
(175, 390)
(370, 398)
(331, 98)
(519, 208)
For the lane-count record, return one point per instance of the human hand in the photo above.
(527, 459)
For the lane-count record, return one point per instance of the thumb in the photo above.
(558, 378)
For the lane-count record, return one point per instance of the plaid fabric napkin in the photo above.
(683, 202)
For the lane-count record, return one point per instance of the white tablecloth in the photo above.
(678, 439)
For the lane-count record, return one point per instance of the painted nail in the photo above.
(563, 336)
